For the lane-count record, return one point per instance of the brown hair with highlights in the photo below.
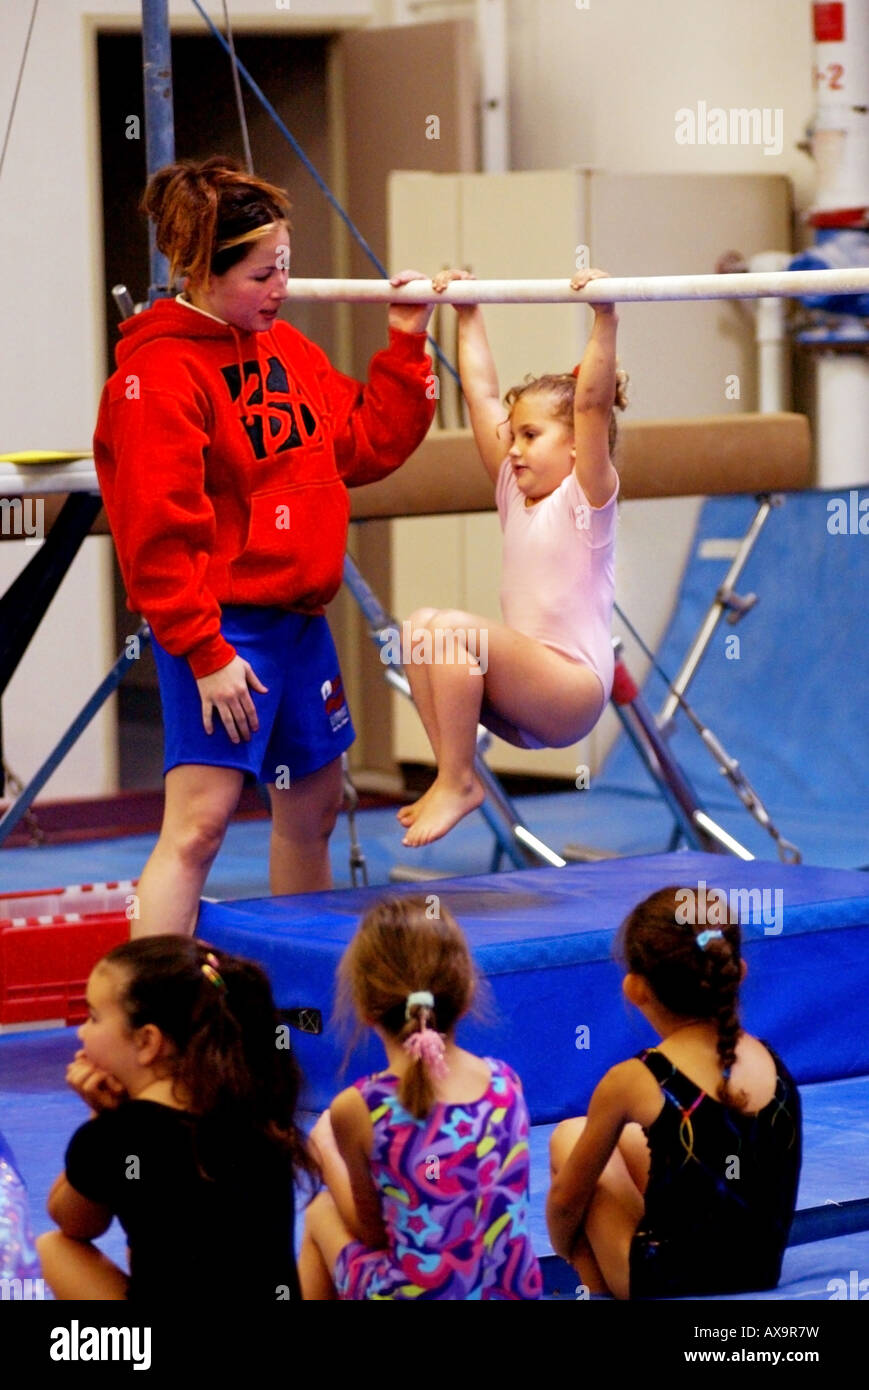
(197, 207)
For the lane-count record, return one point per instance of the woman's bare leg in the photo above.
(303, 818)
(198, 806)
(76, 1269)
(534, 688)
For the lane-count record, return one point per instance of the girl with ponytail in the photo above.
(426, 1164)
(192, 1142)
(682, 1178)
(225, 445)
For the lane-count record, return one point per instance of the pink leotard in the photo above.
(558, 573)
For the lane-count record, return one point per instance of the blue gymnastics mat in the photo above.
(792, 707)
(543, 940)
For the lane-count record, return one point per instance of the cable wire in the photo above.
(316, 176)
(239, 98)
(18, 85)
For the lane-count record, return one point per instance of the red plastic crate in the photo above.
(50, 940)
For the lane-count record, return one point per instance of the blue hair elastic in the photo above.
(705, 937)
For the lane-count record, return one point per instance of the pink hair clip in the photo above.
(427, 1046)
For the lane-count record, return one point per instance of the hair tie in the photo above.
(427, 1046)
(705, 937)
(422, 997)
(575, 371)
(211, 972)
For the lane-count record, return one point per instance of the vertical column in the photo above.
(159, 117)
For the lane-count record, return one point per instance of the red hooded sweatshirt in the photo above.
(224, 459)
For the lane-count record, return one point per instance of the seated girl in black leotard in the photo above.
(682, 1178)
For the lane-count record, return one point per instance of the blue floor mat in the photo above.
(625, 823)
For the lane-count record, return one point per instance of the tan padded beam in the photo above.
(656, 458)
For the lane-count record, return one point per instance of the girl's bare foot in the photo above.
(445, 805)
(408, 814)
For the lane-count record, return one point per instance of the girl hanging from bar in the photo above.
(543, 677)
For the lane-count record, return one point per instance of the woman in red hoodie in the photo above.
(225, 445)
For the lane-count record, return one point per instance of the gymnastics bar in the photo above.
(707, 456)
(778, 284)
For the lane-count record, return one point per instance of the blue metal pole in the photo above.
(159, 118)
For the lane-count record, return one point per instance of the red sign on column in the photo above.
(829, 22)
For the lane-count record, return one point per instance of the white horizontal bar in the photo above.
(779, 284)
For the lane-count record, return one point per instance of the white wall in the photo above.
(601, 86)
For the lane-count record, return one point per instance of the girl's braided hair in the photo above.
(692, 979)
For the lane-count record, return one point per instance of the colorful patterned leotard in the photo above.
(721, 1192)
(454, 1190)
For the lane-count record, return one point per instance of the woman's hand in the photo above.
(98, 1089)
(583, 278)
(409, 318)
(227, 692)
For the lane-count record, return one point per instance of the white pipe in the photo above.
(770, 335)
(785, 284)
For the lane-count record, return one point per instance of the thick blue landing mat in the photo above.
(792, 706)
(543, 940)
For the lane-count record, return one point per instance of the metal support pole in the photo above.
(724, 601)
(159, 118)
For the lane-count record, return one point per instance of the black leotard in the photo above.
(721, 1192)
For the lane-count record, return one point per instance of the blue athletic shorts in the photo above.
(304, 722)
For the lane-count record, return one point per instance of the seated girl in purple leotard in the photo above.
(426, 1163)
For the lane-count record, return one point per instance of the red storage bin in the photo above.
(50, 940)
